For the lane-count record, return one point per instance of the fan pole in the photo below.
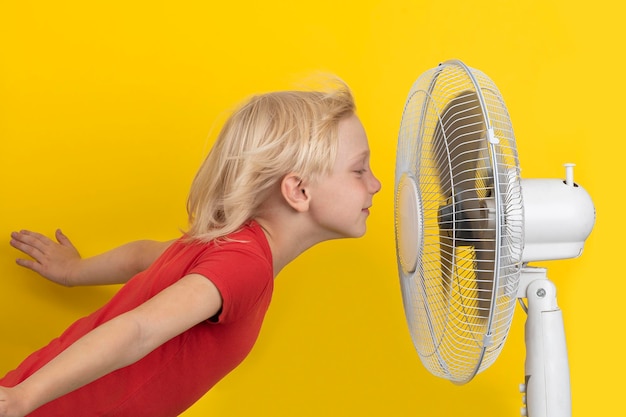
(547, 385)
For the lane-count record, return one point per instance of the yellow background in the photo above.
(108, 107)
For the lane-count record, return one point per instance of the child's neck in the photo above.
(287, 240)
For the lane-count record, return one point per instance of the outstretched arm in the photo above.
(115, 344)
(60, 262)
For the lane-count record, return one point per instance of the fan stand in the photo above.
(547, 386)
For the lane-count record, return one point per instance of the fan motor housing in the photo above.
(558, 218)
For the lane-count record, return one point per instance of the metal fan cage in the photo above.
(459, 220)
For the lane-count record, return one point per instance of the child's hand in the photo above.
(8, 402)
(54, 261)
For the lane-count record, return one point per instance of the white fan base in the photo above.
(547, 386)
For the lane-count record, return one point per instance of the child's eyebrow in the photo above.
(363, 154)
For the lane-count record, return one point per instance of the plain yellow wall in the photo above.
(107, 109)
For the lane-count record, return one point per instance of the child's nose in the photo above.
(375, 184)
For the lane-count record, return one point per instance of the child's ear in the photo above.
(294, 192)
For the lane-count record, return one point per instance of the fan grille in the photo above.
(456, 151)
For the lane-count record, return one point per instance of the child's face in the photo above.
(340, 201)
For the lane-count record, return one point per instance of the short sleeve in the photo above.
(242, 273)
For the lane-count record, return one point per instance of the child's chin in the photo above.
(360, 234)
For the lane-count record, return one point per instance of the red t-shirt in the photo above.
(175, 375)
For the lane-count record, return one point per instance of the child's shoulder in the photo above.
(250, 237)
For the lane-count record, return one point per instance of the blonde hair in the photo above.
(268, 137)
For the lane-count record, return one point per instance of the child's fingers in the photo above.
(31, 238)
(29, 264)
(25, 243)
(62, 239)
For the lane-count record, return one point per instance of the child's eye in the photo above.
(360, 171)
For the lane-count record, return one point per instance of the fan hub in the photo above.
(408, 223)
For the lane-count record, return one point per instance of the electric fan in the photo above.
(467, 226)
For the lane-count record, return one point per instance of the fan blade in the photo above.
(459, 146)
(485, 263)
